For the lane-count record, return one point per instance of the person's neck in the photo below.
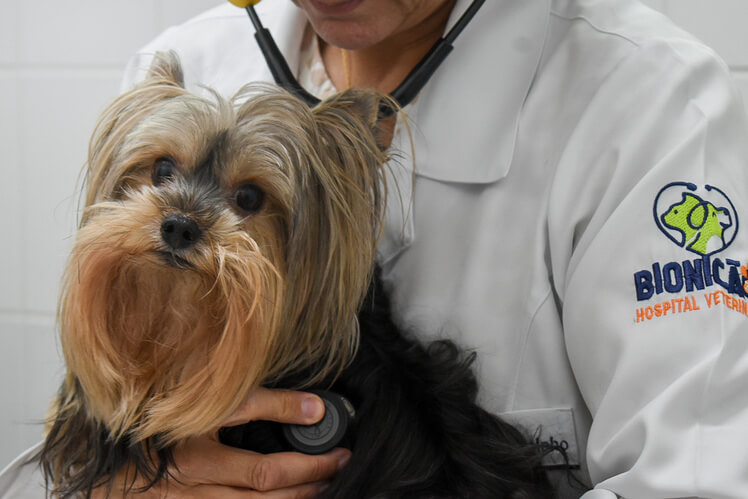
(384, 66)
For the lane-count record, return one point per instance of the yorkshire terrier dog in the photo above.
(228, 244)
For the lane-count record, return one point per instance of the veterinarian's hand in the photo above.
(208, 469)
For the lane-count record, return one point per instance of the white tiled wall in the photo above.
(60, 63)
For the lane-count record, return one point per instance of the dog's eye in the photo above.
(163, 169)
(249, 197)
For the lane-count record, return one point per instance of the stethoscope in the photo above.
(402, 95)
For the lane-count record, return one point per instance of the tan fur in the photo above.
(161, 350)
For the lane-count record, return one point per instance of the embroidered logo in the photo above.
(702, 221)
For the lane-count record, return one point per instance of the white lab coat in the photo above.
(552, 148)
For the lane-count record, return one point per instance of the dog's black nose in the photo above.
(180, 232)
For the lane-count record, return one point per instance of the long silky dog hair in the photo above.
(228, 244)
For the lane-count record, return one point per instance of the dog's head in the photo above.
(223, 244)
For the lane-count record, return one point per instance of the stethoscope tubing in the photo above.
(402, 95)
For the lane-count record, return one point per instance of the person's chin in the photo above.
(334, 7)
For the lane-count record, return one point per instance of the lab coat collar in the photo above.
(476, 96)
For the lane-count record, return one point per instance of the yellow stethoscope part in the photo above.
(244, 3)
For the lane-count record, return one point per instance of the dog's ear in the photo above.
(352, 110)
(334, 231)
(166, 68)
(164, 81)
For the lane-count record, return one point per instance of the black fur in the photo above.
(91, 457)
(418, 431)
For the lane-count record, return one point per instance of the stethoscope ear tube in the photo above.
(417, 78)
(422, 72)
(277, 64)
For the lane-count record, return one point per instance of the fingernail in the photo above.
(312, 408)
(344, 460)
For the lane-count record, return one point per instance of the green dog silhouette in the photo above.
(698, 221)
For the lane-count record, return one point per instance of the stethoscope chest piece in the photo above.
(329, 432)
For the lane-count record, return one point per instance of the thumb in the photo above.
(282, 406)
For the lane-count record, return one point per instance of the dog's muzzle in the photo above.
(180, 232)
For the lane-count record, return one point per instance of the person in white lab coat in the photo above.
(581, 175)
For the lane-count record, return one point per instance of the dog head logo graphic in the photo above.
(702, 221)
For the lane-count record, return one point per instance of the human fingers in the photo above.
(205, 468)
(175, 490)
(205, 461)
(306, 491)
(282, 406)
